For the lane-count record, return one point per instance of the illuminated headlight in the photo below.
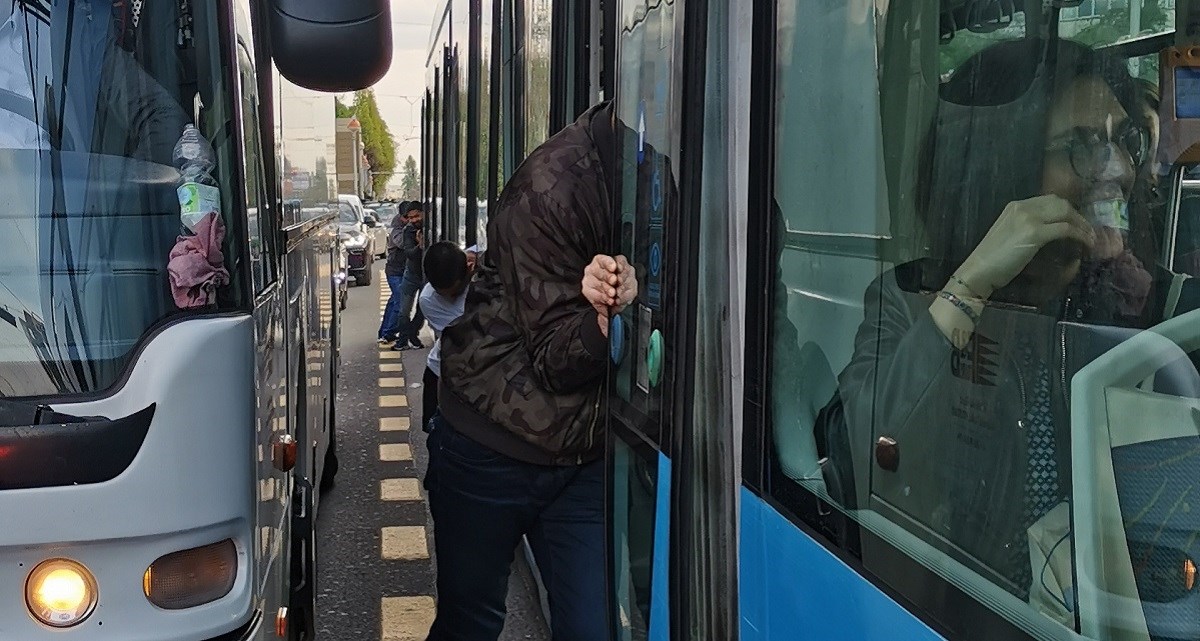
(192, 577)
(60, 593)
(355, 241)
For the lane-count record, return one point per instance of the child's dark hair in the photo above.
(445, 264)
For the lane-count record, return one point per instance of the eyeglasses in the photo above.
(1090, 150)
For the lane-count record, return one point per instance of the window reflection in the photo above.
(974, 243)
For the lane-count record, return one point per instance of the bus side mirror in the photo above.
(331, 46)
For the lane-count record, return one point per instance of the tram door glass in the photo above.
(1008, 440)
(641, 337)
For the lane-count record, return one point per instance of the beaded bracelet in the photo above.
(965, 286)
(961, 305)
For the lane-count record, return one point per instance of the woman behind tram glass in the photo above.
(957, 390)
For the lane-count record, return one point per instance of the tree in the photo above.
(410, 184)
(378, 144)
(341, 109)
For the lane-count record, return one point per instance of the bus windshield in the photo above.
(94, 96)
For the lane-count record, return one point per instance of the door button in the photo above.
(616, 339)
(654, 357)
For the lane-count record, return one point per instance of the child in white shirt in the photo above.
(448, 271)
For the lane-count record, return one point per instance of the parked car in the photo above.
(387, 211)
(356, 233)
(378, 233)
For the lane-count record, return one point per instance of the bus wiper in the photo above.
(20, 413)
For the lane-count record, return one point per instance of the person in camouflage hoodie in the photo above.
(517, 445)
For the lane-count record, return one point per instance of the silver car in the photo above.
(377, 230)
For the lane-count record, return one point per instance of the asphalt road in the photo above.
(374, 536)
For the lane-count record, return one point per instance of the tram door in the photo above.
(646, 356)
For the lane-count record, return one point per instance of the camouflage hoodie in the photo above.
(523, 367)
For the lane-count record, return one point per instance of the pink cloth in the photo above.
(196, 266)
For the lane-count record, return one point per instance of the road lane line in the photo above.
(404, 543)
(391, 382)
(394, 400)
(395, 452)
(394, 424)
(407, 618)
(400, 490)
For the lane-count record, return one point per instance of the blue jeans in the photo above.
(398, 318)
(482, 503)
(408, 321)
(391, 313)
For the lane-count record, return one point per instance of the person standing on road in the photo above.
(516, 446)
(442, 300)
(397, 262)
(412, 248)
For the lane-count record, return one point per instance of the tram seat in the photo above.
(826, 322)
(110, 248)
(796, 419)
(91, 262)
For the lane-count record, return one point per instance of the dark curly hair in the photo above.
(987, 144)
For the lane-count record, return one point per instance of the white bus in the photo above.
(167, 370)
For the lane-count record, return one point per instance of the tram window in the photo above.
(538, 16)
(968, 264)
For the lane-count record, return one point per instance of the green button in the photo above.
(654, 357)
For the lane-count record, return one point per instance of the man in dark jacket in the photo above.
(406, 277)
(517, 447)
(394, 272)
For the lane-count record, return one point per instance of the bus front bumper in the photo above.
(248, 632)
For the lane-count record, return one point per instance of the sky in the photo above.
(399, 92)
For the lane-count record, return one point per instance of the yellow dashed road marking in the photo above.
(393, 400)
(407, 618)
(404, 543)
(395, 452)
(400, 490)
(393, 424)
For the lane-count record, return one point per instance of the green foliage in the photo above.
(341, 109)
(1113, 25)
(964, 45)
(1109, 27)
(377, 140)
(410, 183)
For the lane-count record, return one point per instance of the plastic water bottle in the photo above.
(198, 192)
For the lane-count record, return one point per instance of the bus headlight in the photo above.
(60, 593)
(192, 577)
(355, 241)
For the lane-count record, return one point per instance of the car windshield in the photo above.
(387, 213)
(92, 103)
(346, 213)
